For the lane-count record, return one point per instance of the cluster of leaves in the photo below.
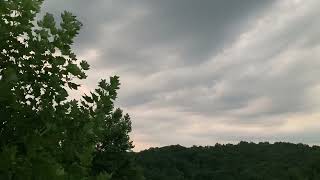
(44, 134)
(245, 161)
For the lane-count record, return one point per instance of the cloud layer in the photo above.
(206, 72)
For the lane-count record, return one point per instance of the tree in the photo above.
(112, 155)
(44, 134)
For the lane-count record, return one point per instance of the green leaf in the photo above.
(73, 85)
(94, 97)
(84, 65)
(73, 69)
(49, 22)
(88, 99)
(60, 60)
(63, 94)
(103, 84)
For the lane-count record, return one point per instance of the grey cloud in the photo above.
(195, 30)
(287, 90)
(250, 62)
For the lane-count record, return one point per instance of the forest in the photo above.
(243, 161)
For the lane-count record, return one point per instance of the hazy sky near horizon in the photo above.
(202, 72)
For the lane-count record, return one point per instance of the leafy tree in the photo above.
(44, 134)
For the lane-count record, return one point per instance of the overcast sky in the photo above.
(202, 72)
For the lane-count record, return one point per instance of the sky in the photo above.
(205, 72)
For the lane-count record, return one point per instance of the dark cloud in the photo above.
(199, 72)
(193, 30)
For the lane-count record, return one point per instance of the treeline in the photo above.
(244, 161)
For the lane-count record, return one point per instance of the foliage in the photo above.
(245, 161)
(44, 134)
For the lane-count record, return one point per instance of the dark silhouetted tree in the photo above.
(44, 134)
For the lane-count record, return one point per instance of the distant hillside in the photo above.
(244, 161)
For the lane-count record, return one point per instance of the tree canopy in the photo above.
(44, 134)
(243, 161)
